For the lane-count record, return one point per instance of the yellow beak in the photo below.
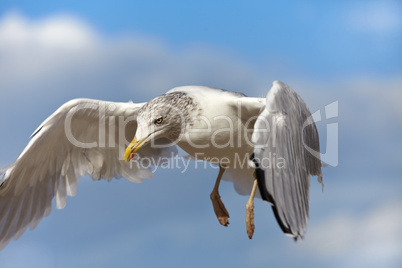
(133, 147)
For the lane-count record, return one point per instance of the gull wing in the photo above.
(83, 137)
(282, 133)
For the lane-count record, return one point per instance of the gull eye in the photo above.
(158, 121)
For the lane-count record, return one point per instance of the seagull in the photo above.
(267, 147)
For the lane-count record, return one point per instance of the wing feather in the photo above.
(52, 163)
(282, 162)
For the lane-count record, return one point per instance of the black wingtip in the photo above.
(284, 228)
(266, 196)
(261, 181)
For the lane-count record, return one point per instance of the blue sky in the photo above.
(315, 38)
(345, 51)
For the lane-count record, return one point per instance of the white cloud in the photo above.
(62, 53)
(373, 239)
(63, 32)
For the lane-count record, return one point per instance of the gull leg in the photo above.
(250, 210)
(219, 208)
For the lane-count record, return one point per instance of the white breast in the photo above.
(218, 132)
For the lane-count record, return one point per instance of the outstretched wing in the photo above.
(283, 134)
(83, 137)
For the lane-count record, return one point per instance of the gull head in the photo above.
(163, 117)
